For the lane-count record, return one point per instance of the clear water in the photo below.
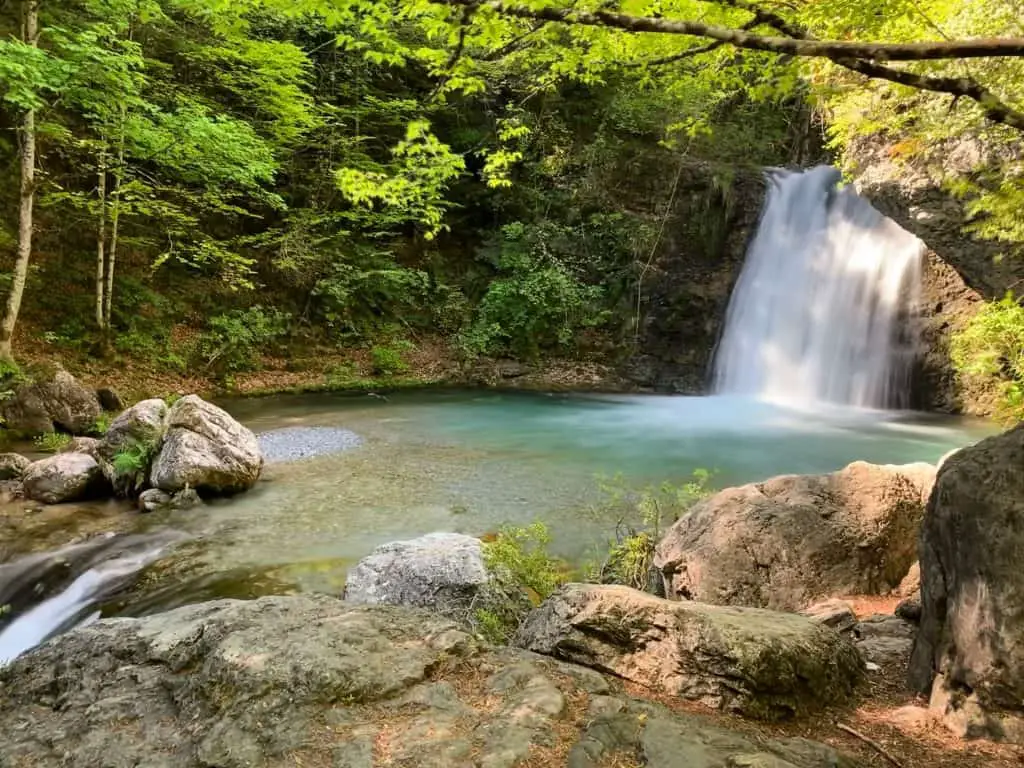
(474, 461)
(823, 309)
(470, 462)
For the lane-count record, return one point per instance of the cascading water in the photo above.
(821, 310)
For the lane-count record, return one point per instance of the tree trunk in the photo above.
(101, 240)
(115, 221)
(27, 136)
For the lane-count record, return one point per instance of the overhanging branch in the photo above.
(828, 49)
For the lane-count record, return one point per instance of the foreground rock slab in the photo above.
(206, 449)
(969, 653)
(759, 663)
(287, 681)
(792, 541)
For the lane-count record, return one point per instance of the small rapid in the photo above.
(73, 582)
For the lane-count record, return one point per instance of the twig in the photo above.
(871, 743)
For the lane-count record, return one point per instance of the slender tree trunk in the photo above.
(27, 136)
(101, 240)
(115, 222)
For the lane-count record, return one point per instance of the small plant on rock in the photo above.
(523, 573)
(51, 442)
(131, 465)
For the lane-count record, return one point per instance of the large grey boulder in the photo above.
(287, 681)
(54, 401)
(795, 540)
(760, 663)
(441, 571)
(12, 466)
(64, 477)
(969, 653)
(140, 431)
(206, 449)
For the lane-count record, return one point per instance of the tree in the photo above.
(27, 184)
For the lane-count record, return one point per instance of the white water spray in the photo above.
(821, 311)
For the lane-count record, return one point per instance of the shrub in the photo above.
(131, 466)
(51, 442)
(233, 341)
(640, 518)
(389, 360)
(523, 574)
(990, 350)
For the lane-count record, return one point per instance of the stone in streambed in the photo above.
(12, 466)
(64, 477)
(206, 449)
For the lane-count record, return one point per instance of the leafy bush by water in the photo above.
(640, 518)
(523, 573)
(991, 350)
(234, 341)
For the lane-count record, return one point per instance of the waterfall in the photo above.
(72, 582)
(822, 311)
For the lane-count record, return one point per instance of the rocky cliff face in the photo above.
(689, 276)
(960, 271)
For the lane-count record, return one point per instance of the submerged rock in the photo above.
(55, 401)
(153, 500)
(760, 663)
(12, 466)
(969, 653)
(64, 477)
(285, 681)
(441, 571)
(206, 449)
(794, 540)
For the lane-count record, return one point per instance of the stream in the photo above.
(346, 473)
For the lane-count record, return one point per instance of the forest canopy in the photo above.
(355, 170)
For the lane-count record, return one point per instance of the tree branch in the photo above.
(991, 105)
(829, 49)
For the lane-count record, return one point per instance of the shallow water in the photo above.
(474, 461)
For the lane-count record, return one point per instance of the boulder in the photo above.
(287, 681)
(139, 430)
(64, 477)
(54, 401)
(970, 649)
(794, 540)
(206, 449)
(110, 400)
(12, 466)
(760, 663)
(441, 571)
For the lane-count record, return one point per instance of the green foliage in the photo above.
(51, 442)
(535, 304)
(519, 555)
(234, 341)
(131, 465)
(639, 518)
(522, 574)
(102, 424)
(990, 350)
(389, 360)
